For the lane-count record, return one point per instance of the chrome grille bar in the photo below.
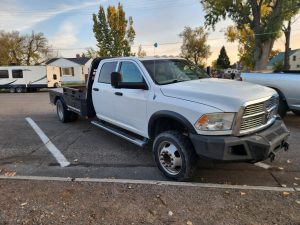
(259, 115)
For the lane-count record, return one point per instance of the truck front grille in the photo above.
(258, 115)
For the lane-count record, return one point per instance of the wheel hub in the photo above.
(60, 110)
(170, 158)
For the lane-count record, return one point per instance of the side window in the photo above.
(130, 73)
(106, 70)
(4, 74)
(68, 71)
(17, 73)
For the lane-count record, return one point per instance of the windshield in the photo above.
(169, 71)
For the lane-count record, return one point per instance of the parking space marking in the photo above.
(152, 182)
(50, 146)
(263, 165)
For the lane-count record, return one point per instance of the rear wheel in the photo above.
(174, 155)
(19, 89)
(63, 114)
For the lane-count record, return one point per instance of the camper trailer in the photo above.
(29, 78)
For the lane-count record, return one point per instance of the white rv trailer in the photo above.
(29, 78)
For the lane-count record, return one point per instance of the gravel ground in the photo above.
(49, 202)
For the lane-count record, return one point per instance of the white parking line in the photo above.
(51, 147)
(263, 165)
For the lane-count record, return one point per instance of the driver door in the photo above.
(131, 104)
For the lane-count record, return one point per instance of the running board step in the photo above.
(122, 134)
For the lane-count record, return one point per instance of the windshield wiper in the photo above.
(174, 81)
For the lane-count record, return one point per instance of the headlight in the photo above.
(215, 122)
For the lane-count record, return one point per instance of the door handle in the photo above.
(119, 93)
(95, 89)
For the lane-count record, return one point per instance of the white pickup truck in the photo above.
(287, 84)
(177, 108)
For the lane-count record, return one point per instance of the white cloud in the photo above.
(65, 36)
(12, 17)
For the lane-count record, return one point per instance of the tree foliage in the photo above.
(245, 37)
(90, 53)
(263, 17)
(29, 49)
(113, 32)
(195, 45)
(141, 52)
(223, 60)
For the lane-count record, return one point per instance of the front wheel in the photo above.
(12, 90)
(174, 155)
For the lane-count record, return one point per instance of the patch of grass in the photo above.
(72, 84)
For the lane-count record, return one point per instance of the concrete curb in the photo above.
(149, 182)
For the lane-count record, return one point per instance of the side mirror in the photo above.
(116, 79)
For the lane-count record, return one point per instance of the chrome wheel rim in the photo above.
(19, 90)
(169, 158)
(60, 110)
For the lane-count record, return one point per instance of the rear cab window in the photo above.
(105, 72)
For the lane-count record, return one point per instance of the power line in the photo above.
(161, 44)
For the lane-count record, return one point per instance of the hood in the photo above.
(225, 95)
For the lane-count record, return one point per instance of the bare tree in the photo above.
(20, 49)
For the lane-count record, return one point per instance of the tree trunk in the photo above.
(261, 53)
(287, 34)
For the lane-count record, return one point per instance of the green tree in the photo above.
(113, 32)
(223, 59)
(194, 46)
(244, 36)
(90, 53)
(141, 52)
(279, 66)
(264, 17)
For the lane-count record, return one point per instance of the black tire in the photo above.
(282, 108)
(296, 112)
(63, 114)
(19, 90)
(12, 90)
(184, 151)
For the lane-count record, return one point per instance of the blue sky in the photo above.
(68, 24)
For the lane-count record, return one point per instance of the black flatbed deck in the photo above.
(78, 99)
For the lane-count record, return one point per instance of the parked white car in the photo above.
(178, 109)
(287, 84)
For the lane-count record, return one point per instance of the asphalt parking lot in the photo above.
(95, 153)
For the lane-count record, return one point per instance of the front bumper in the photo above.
(251, 148)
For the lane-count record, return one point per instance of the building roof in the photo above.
(80, 61)
(280, 57)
